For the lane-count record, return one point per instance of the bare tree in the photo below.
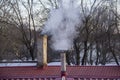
(23, 15)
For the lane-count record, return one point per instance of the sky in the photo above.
(39, 8)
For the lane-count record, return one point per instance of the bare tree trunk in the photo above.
(97, 54)
(68, 58)
(116, 60)
(32, 53)
(112, 49)
(84, 59)
(103, 53)
(77, 53)
(91, 61)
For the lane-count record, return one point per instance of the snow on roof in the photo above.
(17, 64)
(54, 63)
(49, 64)
(27, 64)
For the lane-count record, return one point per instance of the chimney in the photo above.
(42, 51)
(63, 66)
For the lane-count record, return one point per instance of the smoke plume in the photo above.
(62, 24)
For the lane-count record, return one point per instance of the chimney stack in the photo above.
(45, 50)
(42, 52)
(63, 66)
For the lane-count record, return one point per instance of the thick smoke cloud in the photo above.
(62, 24)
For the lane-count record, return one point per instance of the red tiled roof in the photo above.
(54, 71)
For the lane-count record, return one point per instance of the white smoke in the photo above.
(62, 24)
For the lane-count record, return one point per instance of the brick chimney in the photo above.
(42, 51)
